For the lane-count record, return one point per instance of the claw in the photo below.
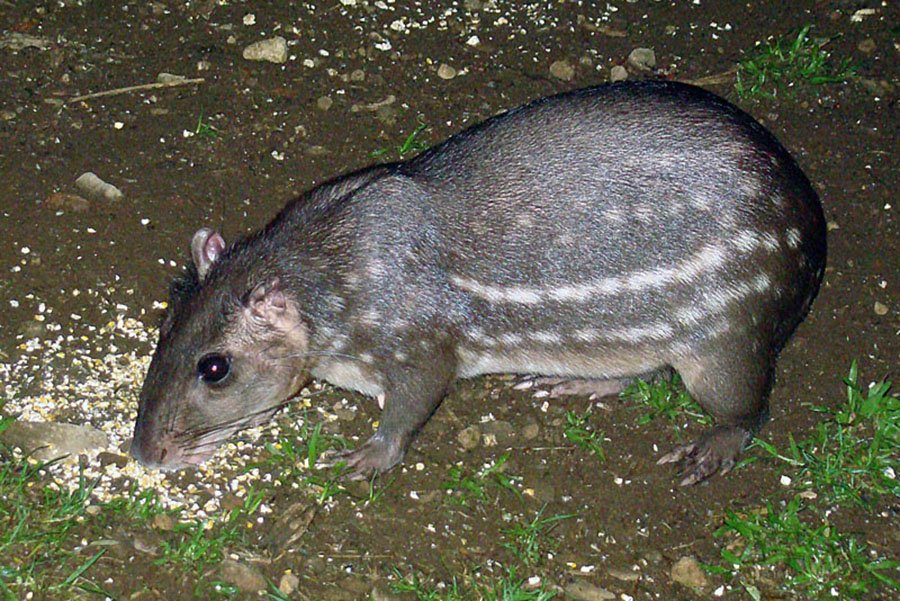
(717, 451)
(374, 457)
(677, 454)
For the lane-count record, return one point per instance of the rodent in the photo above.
(599, 233)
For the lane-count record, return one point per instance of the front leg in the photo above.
(413, 390)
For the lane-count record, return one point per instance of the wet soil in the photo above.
(274, 137)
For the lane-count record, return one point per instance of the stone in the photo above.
(288, 583)
(562, 69)
(273, 50)
(90, 184)
(498, 432)
(867, 46)
(642, 58)
(469, 438)
(19, 41)
(581, 590)
(445, 71)
(247, 578)
(624, 574)
(50, 440)
(106, 458)
(164, 522)
(687, 572)
(61, 201)
(618, 73)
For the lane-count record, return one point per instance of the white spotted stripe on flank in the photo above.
(718, 301)
(689, 316)
(708, 259)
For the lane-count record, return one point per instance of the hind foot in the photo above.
(560, 387)
(716, 451)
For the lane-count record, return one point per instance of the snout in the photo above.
(163, 454)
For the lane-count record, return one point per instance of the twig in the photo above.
(712, 80)
(146, 86)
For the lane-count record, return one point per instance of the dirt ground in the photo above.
(229, 150)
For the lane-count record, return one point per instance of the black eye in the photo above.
(214, 368)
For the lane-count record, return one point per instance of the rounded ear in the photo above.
(206, 246)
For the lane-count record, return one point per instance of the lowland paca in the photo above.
(596, 234)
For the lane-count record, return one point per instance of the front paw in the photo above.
(376, 456)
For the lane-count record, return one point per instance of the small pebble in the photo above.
(642, 58)
(445, 71)
(618, 73)
(562, 69)
(273, 50)
(687, 571)
(867, 46)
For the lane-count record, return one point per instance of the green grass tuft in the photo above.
(410, 145)
(528, 540)
(785, 63)
(665, 398)
(854, 454)
(205, 130)
(467, 487)
(852, 457)
(579, 432)
(817, 560)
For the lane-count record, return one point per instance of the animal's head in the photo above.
(231, 351)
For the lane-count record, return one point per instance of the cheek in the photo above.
(263, 382)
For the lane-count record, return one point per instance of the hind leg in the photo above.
(733, 387)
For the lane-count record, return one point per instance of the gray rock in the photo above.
(687, 572)
(170, 78)
(50, 440)
(61, 201)
(164, 522)
(469, 437)
(562, 69)
(624, 574)
(19, 41)
(498, 432)
(618, 73)
(91, 185)
(531, 431)
(642, 58)
(445, 71)
(867, 46)
(273, 50)
(324, 103)
(288, 584)
(580, 590)
(386, 114)
(316, 150)
(247, 578)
